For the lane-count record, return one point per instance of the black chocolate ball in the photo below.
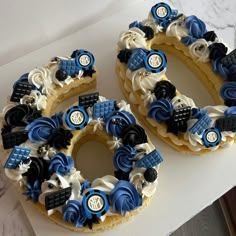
(61, 75)
(150, 174)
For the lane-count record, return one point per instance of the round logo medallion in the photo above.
(76, 117)
(161, 11)
(211, 136)
(84, 60)
(154, 61)
(95, 203)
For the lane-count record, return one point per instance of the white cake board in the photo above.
(188, 183)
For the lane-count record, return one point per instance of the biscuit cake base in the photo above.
(79, 138)
(205, 74)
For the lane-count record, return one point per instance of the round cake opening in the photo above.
(93, 158)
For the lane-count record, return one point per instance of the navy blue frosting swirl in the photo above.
(124, 55)
(133, 135)
(160, 110)
(210, 36)
(117, 120)
(217, 50)
(33, 191)
(60, 138)
(124, 197)
(41, 129)
(21, 115)
(58, 118)
(231, 111)
(196, 30)
(61, 164)
(228, 91)
(122, 158)
(74, 213)
(220, 68)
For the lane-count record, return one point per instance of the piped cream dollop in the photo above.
(41, 77)
(199, 50)
(133, 38)
(143, 80)
(177, 29)
(35, 99)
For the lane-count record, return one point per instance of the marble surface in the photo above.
(219, 16)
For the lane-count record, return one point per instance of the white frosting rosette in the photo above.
(41, 77)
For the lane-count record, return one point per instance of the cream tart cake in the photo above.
(175, 118)
(41, 146)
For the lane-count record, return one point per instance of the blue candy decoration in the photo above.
(160, 110)
(100, 109)
(150, 160)
(61, 164)
(122, 158)
(200, 125)
(69, 66)
(95, 203)
(197, 113)
(84, 59)
(40, 129)
(124, 197)
(136, 60)
(211, 137)
(33, 191)
(231, 111)
(155, 61)
(116, 121)
(73, 212)
(228, 91)
(196, 30)
(18, 155)
(76, 118)
(163, 14)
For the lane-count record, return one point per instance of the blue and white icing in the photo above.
(114, 122)
(124, 195)
(191, 31)
(61, 164)
(41, 129)
(160, 110)
(123, 158)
